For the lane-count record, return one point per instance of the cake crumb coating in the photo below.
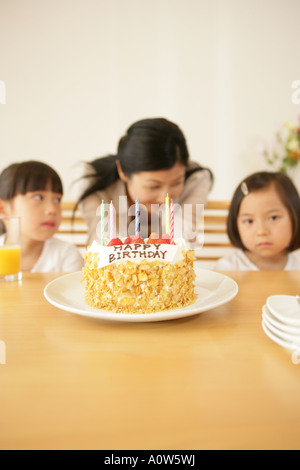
(145, 287)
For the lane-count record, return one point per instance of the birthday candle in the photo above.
(167, 215)
(102, 223)
(137, 216)
(112, 229)
(172, 222)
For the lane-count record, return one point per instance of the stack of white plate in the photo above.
(281, 321)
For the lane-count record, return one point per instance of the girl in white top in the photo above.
(33, 191)
(264, 224)
(152, 162)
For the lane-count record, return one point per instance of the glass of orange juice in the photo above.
(10, 249)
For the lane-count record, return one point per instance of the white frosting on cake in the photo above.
(136, 252)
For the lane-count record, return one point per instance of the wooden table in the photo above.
(212, 381)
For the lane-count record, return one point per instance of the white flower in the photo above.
(290, 125)
(293, 145)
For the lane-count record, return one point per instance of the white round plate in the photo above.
(290, 329)
(213, 289)
(286, 308)
(292, 339)
(280, 341)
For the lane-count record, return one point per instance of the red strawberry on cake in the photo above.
(154, 239)
(133, 239)
(115, 242)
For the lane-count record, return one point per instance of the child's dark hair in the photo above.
(30, 176)
(287, 193)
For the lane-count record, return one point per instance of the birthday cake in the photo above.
(139, 276)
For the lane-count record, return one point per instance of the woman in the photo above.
(152, 161)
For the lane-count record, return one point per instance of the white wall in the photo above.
(79, 72)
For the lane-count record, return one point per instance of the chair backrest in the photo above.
(216, 242)
(73, 228)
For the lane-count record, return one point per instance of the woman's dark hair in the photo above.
(20, 178)
(149, 145)
(258, 181)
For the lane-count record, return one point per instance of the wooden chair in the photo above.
(216, 242)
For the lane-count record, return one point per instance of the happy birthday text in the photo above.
(137, 251)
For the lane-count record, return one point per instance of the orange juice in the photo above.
(10, 260)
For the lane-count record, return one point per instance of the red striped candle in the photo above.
(172, 222)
